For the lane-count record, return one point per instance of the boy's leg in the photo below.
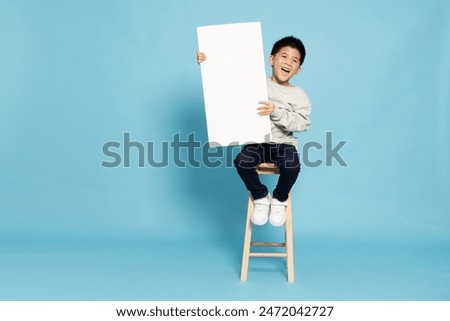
(288, 163)
(246, 162)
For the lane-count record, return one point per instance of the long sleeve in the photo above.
(291, 113)
(293, 119)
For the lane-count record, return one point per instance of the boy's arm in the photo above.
(296, 120)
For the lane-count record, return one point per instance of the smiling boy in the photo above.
(289, 108)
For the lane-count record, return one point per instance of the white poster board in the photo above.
(234, 81)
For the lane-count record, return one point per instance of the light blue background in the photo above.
(77, 74)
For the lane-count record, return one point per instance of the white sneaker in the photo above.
(260, 213)
(277, 212)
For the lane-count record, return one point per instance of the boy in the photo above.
(289, 108)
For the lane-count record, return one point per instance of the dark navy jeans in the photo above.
(284, 155)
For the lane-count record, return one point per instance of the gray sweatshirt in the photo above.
(291, 114)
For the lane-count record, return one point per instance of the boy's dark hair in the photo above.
(291, 42)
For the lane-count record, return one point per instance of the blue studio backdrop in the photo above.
(105, 190)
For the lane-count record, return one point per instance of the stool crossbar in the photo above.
(268, 168)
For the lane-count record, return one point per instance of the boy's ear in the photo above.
(271, 58)
(299, 69)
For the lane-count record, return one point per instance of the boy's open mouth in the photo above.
(285, 70)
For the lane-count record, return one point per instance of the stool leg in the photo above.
(247, 240)
(289, 241)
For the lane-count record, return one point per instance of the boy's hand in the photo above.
(201, 57)
(267, 108)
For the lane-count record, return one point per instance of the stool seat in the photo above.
(268, 168)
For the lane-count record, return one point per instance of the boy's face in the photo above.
(285, 64)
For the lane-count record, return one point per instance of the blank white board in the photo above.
(234, 81)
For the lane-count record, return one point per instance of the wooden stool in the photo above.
(288, 244)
